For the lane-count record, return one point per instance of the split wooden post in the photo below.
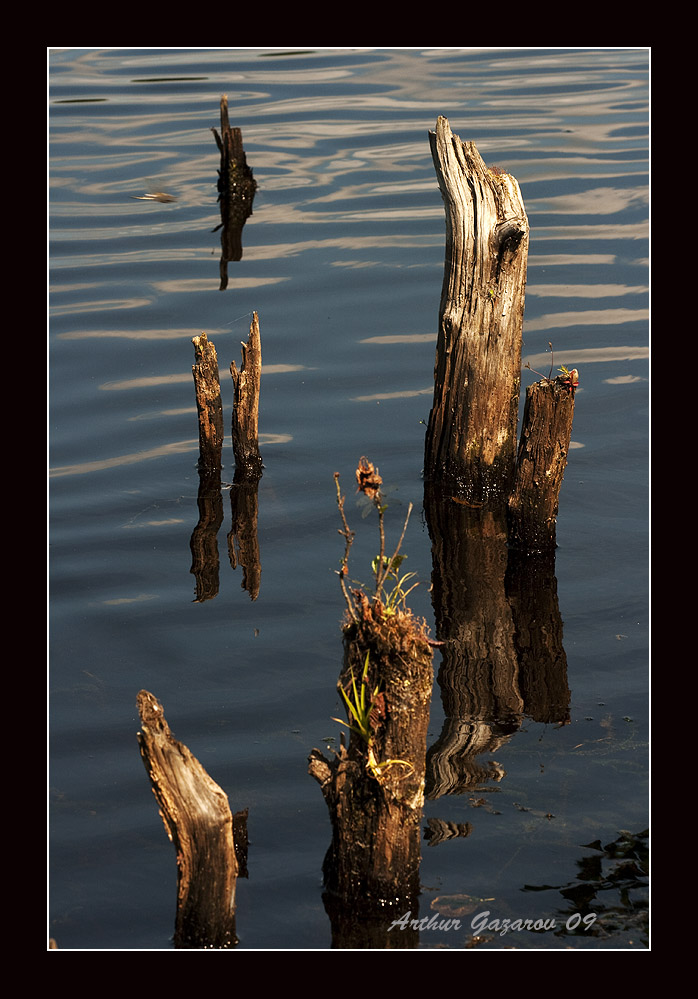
(543, 448)
(208, 402)
(246, 385)
(471, 436)
(199, 822)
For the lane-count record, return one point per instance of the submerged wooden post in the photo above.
(208, 403)
(545, 442)
(199, 822)
(471, 436)
(246, 385)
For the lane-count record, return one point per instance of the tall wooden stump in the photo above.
(199, 822)
(471, 436)
(208, 403)
(545, 442)
(246, 385)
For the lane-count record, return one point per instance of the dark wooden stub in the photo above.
(471, 436)
(236, 191)
(246, 385)
(208, 403)
(199, 822)
(543, 448)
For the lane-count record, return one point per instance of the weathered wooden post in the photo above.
(471, 436)
(246, 385)
(208, 402)
(199, 822)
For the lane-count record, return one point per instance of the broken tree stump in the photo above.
(546, 432)
(471, 436)
(246, 385)
(374, 787)
(199, 822)
(236, 191)
(208, 402)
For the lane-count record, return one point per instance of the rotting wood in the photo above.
(236, 191)
(246, 385)
(208, 403)
(546, 433)
(470, 443)
(198, 820)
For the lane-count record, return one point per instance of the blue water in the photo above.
(343, 261)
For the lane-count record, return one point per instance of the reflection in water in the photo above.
(328, 130)
(502, 656)
(243, 542)
(203, 543)
(588, 317)
(236, 191)
(610, 895)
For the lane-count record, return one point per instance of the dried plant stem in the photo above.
(348, 536)
(402, 536)
(382, 570)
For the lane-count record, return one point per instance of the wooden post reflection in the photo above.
(203, 543)
(236, 191)
(502, 657)
(531, 588)
(478, 675)
(243, 543)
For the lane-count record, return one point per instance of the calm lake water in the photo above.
(343, 261)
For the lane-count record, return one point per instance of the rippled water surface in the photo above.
(343, 261)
